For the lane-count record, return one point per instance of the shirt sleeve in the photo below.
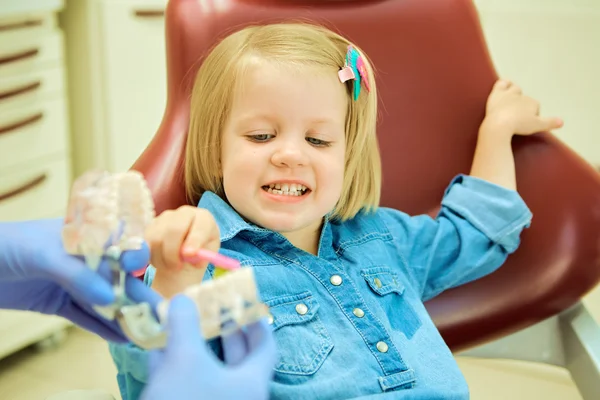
(478, 226)
(132, 362)
(132, 365)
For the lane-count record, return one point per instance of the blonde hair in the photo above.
(286, 43)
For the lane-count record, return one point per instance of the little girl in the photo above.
(282, 157)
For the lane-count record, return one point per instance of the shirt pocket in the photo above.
(390, 293)
(303, 342)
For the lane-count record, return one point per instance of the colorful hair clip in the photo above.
(355, 69)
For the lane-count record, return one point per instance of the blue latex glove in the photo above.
(36, 274)
(186, 369)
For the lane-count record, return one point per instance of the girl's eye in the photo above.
(262, 137)
(317, 142)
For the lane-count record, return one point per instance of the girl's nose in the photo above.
(289, 154)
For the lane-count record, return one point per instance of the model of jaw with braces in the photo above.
(107, 214)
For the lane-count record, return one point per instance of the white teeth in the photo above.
(285, 187)
(281, 192)
(288, 189)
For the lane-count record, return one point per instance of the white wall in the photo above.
(552, 49)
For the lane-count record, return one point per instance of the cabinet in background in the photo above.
(35, 165)
(117, 79)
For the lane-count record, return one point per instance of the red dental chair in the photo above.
(434, 74)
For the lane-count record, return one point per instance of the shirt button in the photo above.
(270, 320)
(382, 347)
(358, 312)
(335, 280)
(301, 309)
(377, 282)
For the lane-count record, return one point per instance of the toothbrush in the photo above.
(218, 260)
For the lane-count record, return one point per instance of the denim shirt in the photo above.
(363, 329)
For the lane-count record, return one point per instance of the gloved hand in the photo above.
(36, 274)
(186, 369)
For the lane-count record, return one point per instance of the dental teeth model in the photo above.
(106, 210)
(225, 303)
(107, 214)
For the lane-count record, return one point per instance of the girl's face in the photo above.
(283, 149)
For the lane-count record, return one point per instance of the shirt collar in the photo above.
(229, 221)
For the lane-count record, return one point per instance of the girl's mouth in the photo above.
(286, 189)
